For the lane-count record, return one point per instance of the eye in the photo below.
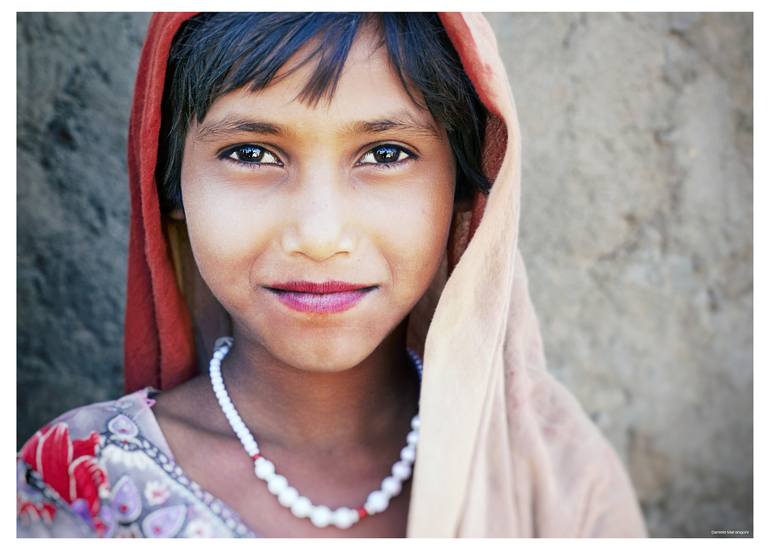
(251, 155)
(386, 155)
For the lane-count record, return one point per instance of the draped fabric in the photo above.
(505, 450)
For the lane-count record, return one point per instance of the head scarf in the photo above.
(505, 450)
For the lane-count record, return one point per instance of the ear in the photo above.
(176, 214)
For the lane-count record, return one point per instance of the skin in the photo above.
(328, 397)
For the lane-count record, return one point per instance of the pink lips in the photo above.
(327, 297)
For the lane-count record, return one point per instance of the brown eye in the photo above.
(385, 154)
(251, 154)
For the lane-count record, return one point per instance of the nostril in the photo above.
(318, 246)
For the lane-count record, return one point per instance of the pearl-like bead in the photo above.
(391, 486)
(344, 517)
(301, 507)
(401, 470)
(376, 502)
(277, 484)
(288, 496)
(321, 516)
(408, 454)
(263, 468)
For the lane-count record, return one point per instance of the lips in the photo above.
(326, 297)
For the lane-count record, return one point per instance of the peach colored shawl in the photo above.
(505, 450)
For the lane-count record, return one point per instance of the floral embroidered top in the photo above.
(106, 470)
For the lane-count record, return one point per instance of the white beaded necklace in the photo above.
(288, 496)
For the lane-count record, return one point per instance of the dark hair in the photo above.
(216, 53)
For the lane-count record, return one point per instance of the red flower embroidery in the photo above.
(35, 511)
(69, 467)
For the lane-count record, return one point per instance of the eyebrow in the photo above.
(229, 126)
(401, 122)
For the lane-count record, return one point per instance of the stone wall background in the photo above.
(636, 228)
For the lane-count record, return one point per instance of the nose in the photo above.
(319, 222)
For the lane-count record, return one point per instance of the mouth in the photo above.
(326, 297)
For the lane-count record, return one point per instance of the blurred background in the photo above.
(637, 220)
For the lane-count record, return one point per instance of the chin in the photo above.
(324, 354)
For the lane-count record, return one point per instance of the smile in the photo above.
(331, 298)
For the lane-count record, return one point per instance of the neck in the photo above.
(361, 407)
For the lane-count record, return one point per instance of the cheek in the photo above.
(226, 233)
(417, 234)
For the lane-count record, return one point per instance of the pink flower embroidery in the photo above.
(156, 492)
(198, 528)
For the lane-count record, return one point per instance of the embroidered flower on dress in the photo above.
(123, 426)
(164, 522)
(125, 500)
(35, 511)
(121, 405)
(130, 459)
(69, 467)
(156, 492)
(198, 528)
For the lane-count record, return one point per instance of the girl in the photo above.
(318, 202)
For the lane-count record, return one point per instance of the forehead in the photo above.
(368, 89)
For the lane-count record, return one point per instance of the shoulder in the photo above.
(60, 480)
(105, 470)
(559, 417)
(583, 463)
(563, 431)
(81, 422)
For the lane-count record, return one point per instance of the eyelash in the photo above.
(226, 155)
(388, 165)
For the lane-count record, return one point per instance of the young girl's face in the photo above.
(358, 190)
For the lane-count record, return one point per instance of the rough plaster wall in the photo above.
(636, 228)
(637, 231)
(75, 80)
